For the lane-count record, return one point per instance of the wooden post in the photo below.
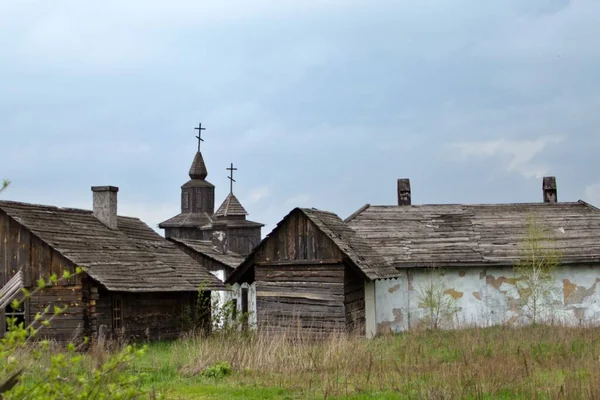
(94, 296)
(2, 323)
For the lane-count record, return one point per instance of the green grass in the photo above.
(495, 363)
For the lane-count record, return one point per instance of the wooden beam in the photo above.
(293, 295)
(298, 262)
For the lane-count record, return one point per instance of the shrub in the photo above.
(218, 371)
(31, 369)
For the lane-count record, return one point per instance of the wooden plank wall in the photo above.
(14, 250)
(66, 326)
(19, 249)
(306, 298)
(354, 301)
(299, 275)
(243, 240)
(297, 238)
(146, 316)
(184, 233)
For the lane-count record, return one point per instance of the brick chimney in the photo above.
(549, 189)
(404, 192)
(105, 205)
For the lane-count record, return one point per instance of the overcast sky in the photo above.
(318, 103)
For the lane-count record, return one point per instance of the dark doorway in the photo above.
(245, 308)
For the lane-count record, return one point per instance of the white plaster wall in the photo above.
(237, 290)
(219, 299)
(485, 297)
(370, 310)
(392, 305)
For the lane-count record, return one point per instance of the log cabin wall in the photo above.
(299, 275)
(19, 249)
(306, 298)
(145, 316)
(354, 301)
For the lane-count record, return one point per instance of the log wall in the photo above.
(307, 298)
(147, 316)
(19, 249)
(354, 302)
(66, 326)
(303, 283)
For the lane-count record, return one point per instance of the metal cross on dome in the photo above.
(199, 128)
(231, 169)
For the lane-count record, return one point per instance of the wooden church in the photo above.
(219, 240)
(199, 221)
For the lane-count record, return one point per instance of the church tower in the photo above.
(228, 228)
(241, 234)
(197, 202)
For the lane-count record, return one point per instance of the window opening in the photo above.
(117, 314)
(245, 308)
(16, 314)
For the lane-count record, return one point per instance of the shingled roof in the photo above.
(231, 207)
(188, 220)
(206, 248)
(132, 258)
(463, 235)
(358, 251)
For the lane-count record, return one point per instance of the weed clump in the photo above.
(218, 371)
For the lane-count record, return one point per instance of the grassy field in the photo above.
(533, 362)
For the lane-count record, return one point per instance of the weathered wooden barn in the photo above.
(308, 274)
(136, 284)
(368, 274)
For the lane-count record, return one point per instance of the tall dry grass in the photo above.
(529, 362)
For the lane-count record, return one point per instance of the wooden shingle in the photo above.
(132, 258)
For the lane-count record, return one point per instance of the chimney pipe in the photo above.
(404, 192)
(105, 205)
(549, 189)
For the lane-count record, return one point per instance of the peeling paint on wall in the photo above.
(574, 294)
(454, 294)
(495, 299)
(387, 327)
(394, 289)
(497, 282)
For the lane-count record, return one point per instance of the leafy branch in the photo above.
(4, 185)
(30, 370)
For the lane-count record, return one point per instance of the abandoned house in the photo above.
(370, 273)
(219, 240)
(136, 283)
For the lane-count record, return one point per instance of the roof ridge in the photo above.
(228, 200)
(585, 203)
(540, 204)
(8, 203)
(231, 206)
(357, 212)
(312, 209)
